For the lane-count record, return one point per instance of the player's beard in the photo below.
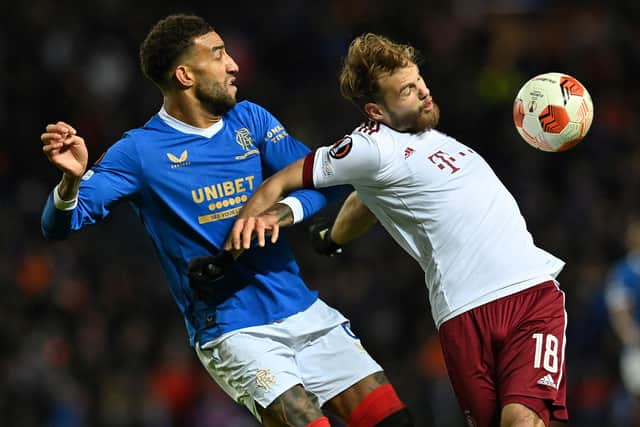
(214, 97)
(416, 121)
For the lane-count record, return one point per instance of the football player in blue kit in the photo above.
(261, 333)
(623, 303)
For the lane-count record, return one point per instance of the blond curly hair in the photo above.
(370, 57)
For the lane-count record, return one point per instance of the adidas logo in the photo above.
(548, 381)
(408, 152)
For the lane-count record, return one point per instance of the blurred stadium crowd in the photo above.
(89, 334)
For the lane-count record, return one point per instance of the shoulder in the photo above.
(367, 132)
(136, 140)
(377, 137)
(132, 138)
(379, 133)
(439, 137)
(359, 149)
(246, 108)
(368, 129)
(251, 116)
(154, 126)
(437, 134)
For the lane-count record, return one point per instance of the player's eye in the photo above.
(218, 53)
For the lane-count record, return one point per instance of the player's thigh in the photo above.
(531, 365)
(295, 407)
(251, 368)
(338, 370)
(470, 365)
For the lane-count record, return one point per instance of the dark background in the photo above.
(88, 333)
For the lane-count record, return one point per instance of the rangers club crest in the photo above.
(265, 379)
(341, 148)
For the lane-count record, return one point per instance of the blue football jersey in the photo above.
(187, 189)
(624, 281)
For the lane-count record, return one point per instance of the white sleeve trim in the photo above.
(63, 205)
(296, 208)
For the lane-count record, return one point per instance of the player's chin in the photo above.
(431, 118)
(423, 123)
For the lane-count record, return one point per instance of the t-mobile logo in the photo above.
(444, 160)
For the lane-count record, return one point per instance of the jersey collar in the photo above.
(185, 128)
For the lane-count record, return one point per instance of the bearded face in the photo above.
(405, 102)
(415, 120)
(215, 97)
(213, 72)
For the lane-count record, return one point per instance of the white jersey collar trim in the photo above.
(186, 128)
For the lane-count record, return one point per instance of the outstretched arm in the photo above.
(353, 220)
(261, 214)
(323, 168)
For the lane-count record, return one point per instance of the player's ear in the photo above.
(184, 76)
(374, 111)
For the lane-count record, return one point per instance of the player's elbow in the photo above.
(54, 234)
(55, 224)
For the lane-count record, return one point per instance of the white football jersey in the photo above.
(443, 204)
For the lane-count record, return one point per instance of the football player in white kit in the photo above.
(493, 295)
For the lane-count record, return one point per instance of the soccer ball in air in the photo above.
(553, 112)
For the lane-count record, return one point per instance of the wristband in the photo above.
(61, 204)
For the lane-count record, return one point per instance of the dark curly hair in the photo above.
(166, 42)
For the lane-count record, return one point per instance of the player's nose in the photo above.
(423, 91)
(231, 65)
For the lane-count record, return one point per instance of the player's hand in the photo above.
(245, 229)
(321, 241)
(204, 271)
(65, 149)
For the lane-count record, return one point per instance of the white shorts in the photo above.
(314, 348)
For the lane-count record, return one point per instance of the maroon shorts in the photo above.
(510, 350)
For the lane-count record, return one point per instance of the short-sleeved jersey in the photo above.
(187, 186)
(623, 284)
(443, 205)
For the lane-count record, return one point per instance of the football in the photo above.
(553, 111)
